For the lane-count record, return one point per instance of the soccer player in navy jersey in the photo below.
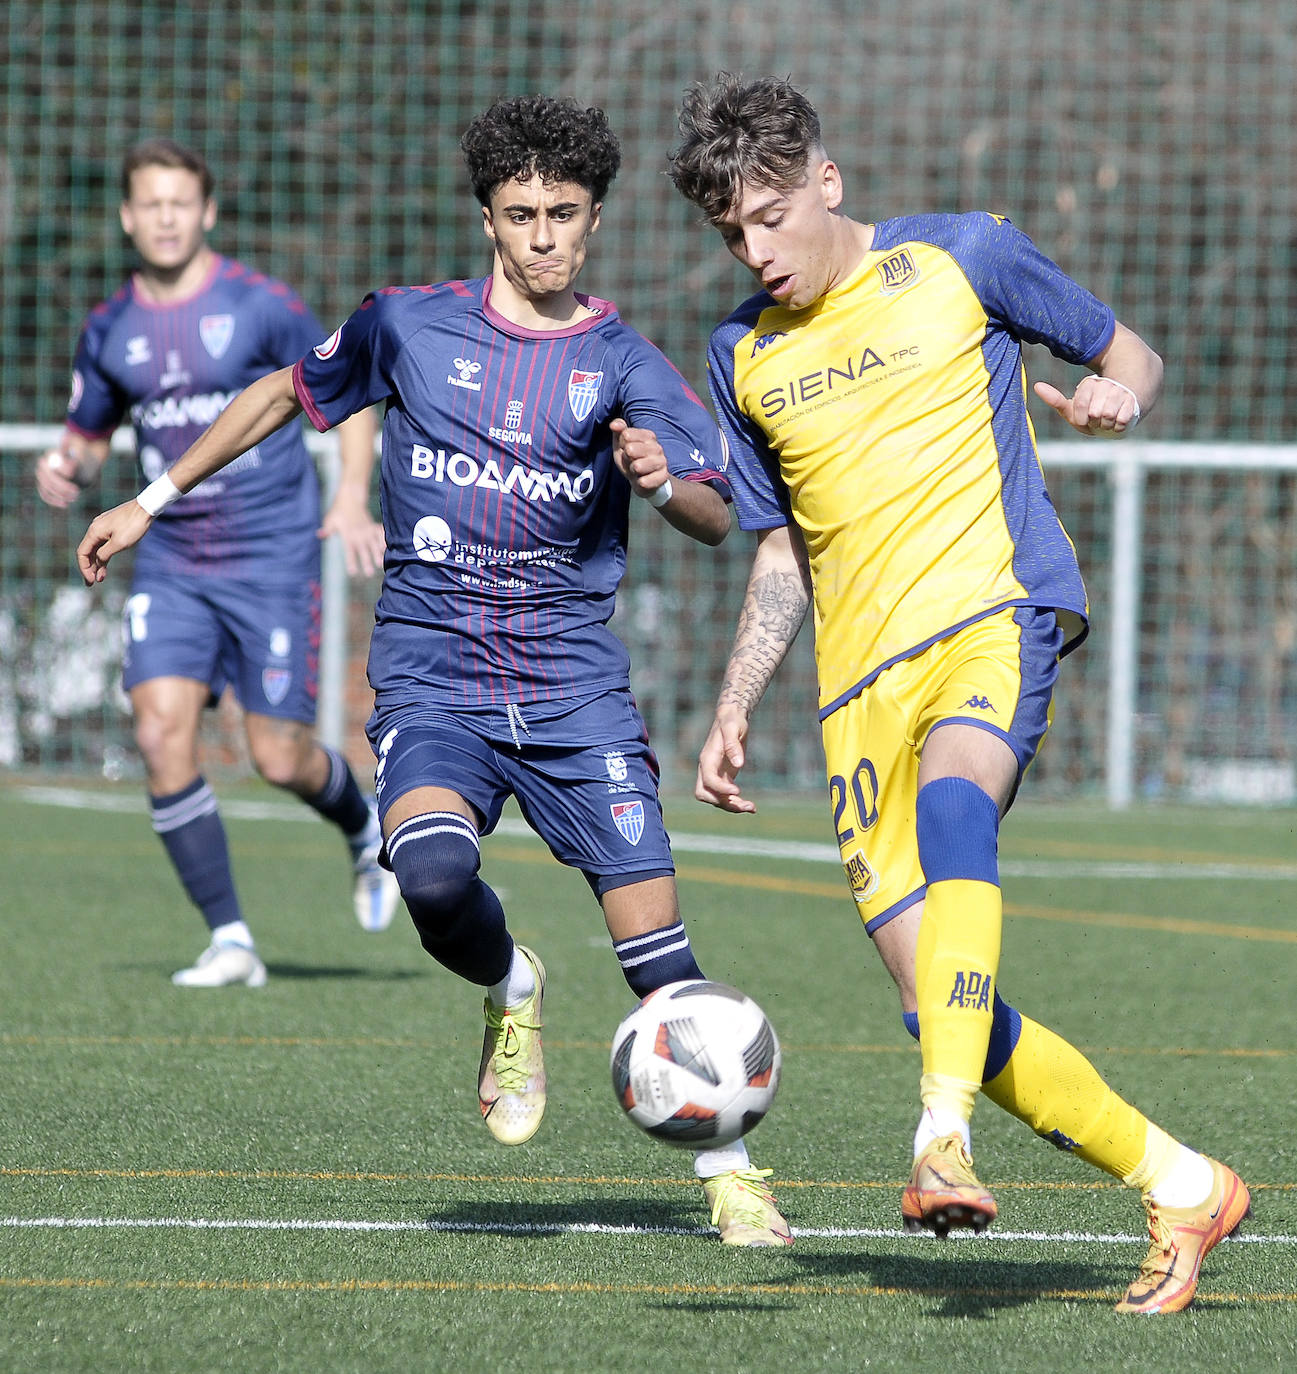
(874, 398)
(522, 417)
(226, 587)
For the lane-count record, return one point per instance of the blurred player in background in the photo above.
(226, 587)
(874, 398)
(521, 418)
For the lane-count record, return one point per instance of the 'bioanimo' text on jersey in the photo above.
(506, 517)
(175, 367)
(889, 419)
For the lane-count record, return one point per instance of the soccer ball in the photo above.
(696, 1064)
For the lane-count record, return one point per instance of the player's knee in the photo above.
(281, 755)
(436, 867)
(957, 825)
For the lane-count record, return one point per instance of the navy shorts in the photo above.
(583, 775)
(262, 640)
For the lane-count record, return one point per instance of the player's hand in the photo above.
(56, 479)
(108, 535)
(639, 457)
(362, 538)
(1099, 407)
(719, 763)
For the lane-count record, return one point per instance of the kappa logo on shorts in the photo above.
(628, 817)
(275, 683)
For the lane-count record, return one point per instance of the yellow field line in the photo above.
(1176, 925)
(771, 1290)
(532, 1180)
(289, 1042)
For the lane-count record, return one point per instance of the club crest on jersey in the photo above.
(275, 683)
(216, 331)
(898, 272)
(583, 392)
(628, 817)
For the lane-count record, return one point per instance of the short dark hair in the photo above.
(165, 152)
(733, 132)
(524, 135)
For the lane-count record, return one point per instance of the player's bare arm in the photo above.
(774, 607)
(693, 508)
(255, 413)
(1126, 385)
(348, 515)
(64, 471)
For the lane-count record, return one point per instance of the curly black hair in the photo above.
(523, 135)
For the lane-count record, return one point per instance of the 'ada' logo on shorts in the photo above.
(628, 817)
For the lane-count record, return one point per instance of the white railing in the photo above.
(1126, 465)
(1127, 462)
(331, 703)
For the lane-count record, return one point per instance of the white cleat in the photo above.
(221, 966)
(376, 892)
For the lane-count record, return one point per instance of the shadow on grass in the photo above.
(280, 968)
(543, 1219)
(967, 1284)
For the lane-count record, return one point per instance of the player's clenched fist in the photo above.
(109, 534)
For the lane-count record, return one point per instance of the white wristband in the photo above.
(1135, 418)
(159, 495)
(661, 496)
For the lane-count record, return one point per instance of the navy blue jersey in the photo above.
(506, 517)
(174, 367)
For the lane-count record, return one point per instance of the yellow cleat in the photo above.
(943, 1192)
(743, 1208)
(511, 1077)
(1182, 1237)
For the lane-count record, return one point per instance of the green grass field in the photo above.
(297, 1178)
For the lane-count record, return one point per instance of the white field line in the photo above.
(568, 1228)
(686, 843)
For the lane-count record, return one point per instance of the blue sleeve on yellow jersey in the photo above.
(760, 497)
(1018, 286)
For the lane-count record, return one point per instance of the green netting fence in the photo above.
(1148, 145)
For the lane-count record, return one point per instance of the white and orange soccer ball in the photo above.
(696, 1064)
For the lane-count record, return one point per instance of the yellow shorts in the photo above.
(997, 674)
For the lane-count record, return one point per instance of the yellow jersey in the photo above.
(889, 420)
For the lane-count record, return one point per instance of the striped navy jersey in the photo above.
(506, 518)
(174, 367)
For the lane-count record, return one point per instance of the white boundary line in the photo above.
(687, 843)
(566, 1228)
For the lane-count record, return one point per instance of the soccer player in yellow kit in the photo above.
(873, 397)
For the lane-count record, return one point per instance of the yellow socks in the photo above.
(955, 965)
